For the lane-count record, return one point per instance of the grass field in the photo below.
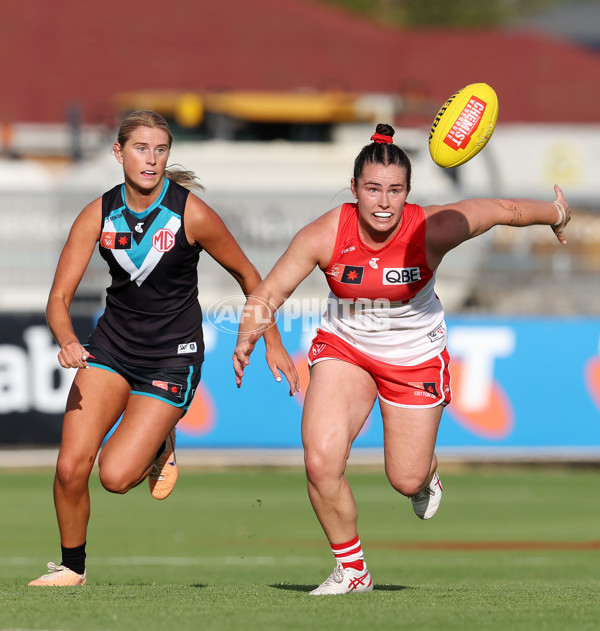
(240, 549)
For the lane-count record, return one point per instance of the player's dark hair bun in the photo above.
(384, 129)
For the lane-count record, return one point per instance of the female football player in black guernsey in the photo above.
(143, 359)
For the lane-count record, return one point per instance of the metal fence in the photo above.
(505, 271)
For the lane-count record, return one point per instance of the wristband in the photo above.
(562, 216)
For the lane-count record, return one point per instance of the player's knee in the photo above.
(115, 486)
(71, 473)
(321, 467)
(113, 481)
(407, 485)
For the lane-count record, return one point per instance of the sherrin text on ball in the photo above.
(464, 125)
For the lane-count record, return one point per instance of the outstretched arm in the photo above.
(205, 227)
(312, 246)
(450, 225)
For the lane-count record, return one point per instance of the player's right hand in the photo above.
(562, 205)
(73, 355)
(241, 356)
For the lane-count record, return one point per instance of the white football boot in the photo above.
(345, 581)
(426, 502)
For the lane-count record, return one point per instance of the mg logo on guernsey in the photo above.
(163, 240)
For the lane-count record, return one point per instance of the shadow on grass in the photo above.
(391, 588)
(293, 588)
(142, 584)
(307, 588)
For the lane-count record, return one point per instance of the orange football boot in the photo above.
(163, 475)
(59, 576)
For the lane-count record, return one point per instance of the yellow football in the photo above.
(463, 125)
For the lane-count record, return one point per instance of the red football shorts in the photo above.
(422, 386)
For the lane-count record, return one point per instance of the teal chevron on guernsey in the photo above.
(154, 290)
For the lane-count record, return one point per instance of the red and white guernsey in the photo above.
(382, 302)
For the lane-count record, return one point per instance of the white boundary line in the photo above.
(173, 561)
(261, 457)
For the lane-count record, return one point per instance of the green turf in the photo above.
(509, 549)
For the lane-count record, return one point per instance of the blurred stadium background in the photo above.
(270, 101)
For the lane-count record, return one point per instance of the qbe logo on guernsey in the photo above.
(163, 240)
(400, 275)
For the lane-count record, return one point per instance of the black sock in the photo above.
(74, 558)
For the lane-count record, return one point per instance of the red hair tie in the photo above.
(382, 139)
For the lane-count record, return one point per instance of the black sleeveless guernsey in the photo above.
(152, 311)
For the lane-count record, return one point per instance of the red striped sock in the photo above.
(349, 554)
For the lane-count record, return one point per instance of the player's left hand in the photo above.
(564, 212)
(279, 361)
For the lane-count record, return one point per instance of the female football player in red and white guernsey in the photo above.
(144, 357)
(385, 329)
